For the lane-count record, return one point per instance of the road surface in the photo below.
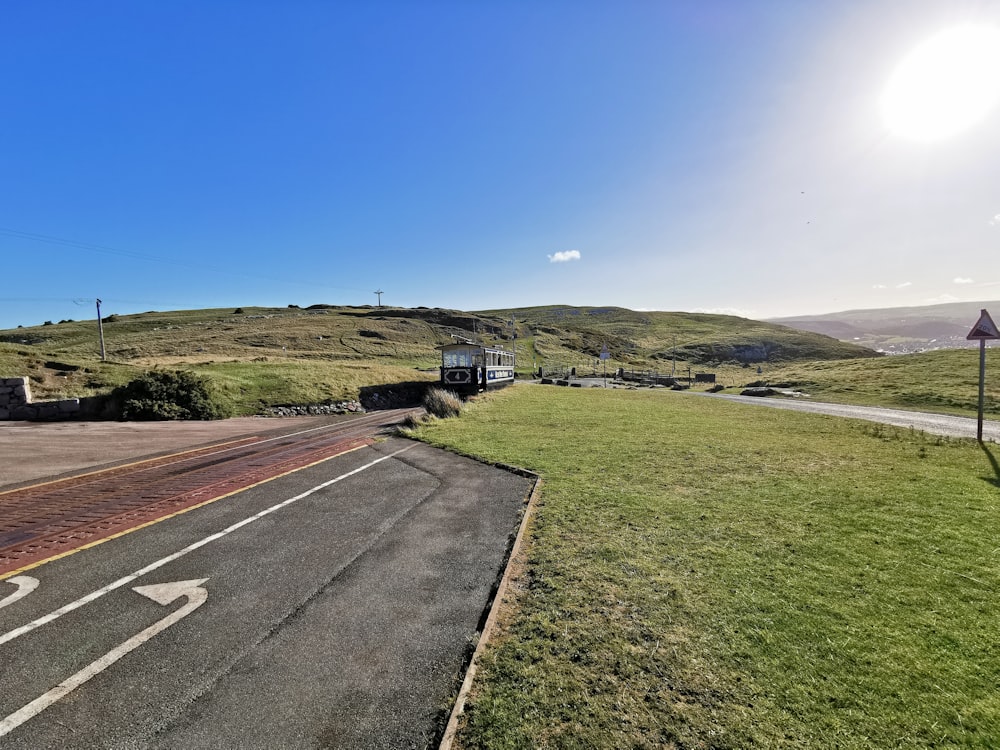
(334, 606)
(935, 424)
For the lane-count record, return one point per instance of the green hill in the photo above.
(266, 356)
(648, 338)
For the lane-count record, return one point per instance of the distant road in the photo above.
(935, 424)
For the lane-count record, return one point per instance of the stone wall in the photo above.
(15, 403)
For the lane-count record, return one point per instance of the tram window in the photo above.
(457, 358)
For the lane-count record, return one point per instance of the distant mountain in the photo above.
(898, 330)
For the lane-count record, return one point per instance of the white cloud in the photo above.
(564, 256)
(960, 280)
(879, 286)
(904, 285)
(995, 221)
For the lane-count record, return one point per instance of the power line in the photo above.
(107, 250)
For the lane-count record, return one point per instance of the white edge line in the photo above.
(196, 597)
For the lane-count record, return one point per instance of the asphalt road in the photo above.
(334, 607)
(935, 424)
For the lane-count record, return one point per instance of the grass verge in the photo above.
(946, 381)
(709, 574)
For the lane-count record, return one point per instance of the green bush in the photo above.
(442, 403)
(161, 394)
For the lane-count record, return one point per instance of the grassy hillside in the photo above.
(259, 357)
(576, 334)
(266, 356)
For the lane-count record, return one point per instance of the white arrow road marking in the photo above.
(163, 593)
(65, 609)
(25, 585)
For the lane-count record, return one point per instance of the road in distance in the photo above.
(934, 424)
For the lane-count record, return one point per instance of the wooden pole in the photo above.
(100, 330)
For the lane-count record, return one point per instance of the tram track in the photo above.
(49, 520)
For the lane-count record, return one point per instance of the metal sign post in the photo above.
(605, 355)
(984, 330)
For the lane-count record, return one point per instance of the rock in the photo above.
(303, 410)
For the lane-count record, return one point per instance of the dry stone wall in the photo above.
(15, 403)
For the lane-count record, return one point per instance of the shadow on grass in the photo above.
(995, 479)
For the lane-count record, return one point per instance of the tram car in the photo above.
(470, 368)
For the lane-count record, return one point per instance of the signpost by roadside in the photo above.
(984, 330)
(605, 356)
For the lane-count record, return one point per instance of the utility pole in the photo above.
(513, 335)
(100, 330)
(379, 293)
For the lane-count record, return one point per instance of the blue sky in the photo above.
(703, 155)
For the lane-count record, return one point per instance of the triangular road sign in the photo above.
(985, 329)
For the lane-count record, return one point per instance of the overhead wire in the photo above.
(105, 249)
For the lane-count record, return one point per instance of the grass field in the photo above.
(704, 574)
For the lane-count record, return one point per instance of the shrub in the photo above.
(411, 422)
(442, 403)
(238, 311)
(162, 394)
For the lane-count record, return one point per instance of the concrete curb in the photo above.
(484, 637)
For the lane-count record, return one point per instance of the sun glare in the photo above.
(946, 85)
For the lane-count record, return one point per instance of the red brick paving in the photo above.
(47, 520)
